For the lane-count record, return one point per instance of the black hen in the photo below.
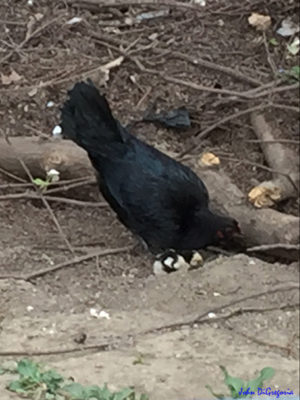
(156, 197)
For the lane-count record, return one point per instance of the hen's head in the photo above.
(213, 229)
(227, 229)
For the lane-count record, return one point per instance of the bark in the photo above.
(280, 158)
(264, 226)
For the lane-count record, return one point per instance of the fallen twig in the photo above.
(232, 93)
(65, 200)
(74, 185)
(205, 132)
(203, 317)
(16, 185)
(69, 263)
(250, 310)
(29, 37)
(189, 84)
(261, 342)
(12, 176)
(265, 247)
(290, 141)
(285, 107)
(269, 57)
(200, 62)
(112, 3)
(279, 89)
(99, 347)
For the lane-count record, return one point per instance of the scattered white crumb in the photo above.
(30, 2)
(216, 294)
(153, 36)
(74, 20)
(50, 104)
(201, 3)
(211, 315)
(57, 130)
(99, 314)
(104, 314)
(252, 262)
(29, 308)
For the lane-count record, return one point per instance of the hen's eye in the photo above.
(220, 234)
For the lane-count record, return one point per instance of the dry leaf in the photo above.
(33, 92)
(209, 160)
(259, 21)
(288, 28)
(11, 78)
(264, 195)
(294, 47)
(115, 63)
(38, 16)
(30, 26)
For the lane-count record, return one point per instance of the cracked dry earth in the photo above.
(176, 363)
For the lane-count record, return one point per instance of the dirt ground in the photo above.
(45, 317)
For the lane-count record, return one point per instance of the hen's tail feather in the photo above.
(86, 118)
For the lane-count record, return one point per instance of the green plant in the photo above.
(52, 176)
(41, 183)
(35, 383)
(293, 74)
(240, 389)
(273, 42)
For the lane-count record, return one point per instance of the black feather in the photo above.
(156, 197)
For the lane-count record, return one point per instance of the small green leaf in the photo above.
(49, 396)
(16, 386)
(33, 383)
(234, 384)
(217, 396)
(76, 391)
(294, 72)
(52, 380)
(124, 394)
(95, 392)
(29, 369)
(144, 397)
(265, 374)
(273, 42)
(39, 182)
